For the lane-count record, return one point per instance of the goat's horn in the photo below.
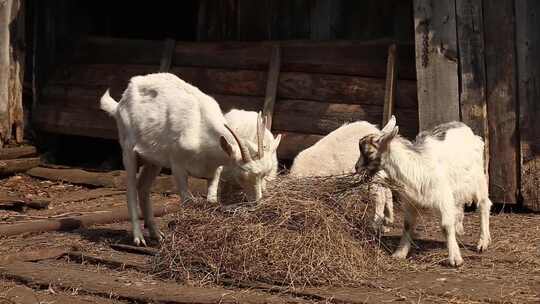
(260, 135)
(246, 157)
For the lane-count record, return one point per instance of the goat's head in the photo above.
(373, 146)
(253, 162)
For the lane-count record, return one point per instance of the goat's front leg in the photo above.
(485, 236)
(130, 163)
(448, 225)
(379, 196)
(181, 180)
(213, 186)
(146, 177)
(409, 225)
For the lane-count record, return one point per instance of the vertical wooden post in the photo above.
(17, 61)
(166, 57)
(499, 37)
(391, 84)
(528, 54)
(472, 97)
(5, 13)
(272, 84)
(436, 62)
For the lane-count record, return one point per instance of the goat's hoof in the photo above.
(399, 255)
(455, 261)
(139, 241)
(482, 245)
(212, 200)
(158, 236)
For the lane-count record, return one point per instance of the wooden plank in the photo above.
(17, 66)
(86, 82)
(123, 262)
(110, 284)
(472, 69)
(135, 249)
(5, 10)
(166, 57)
(391, 85)
(528, 56)
(119, 214)
(10, 166)
(436, 62)
(17, 152)
(25, 295)
(272, 81)
(21, 204)
(35, 255)
(362, 58)
(500, 57)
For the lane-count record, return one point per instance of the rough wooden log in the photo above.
(25, 295)
(334, 57)
(22, 204)
(114, 179)
(272, 85)
(473, 104)
(107, 284)
(528, 55)
(121, 263)
(391, 84)
(499, 37)
(5, 13)
(71, 223)
(35, 255)
(436, 62)
(134, 249)
(10, 166)
(17, 152)
(86, 195)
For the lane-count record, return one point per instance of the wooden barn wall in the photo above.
(488, 54)
(305, 19)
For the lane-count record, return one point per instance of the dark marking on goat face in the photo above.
(369, 159)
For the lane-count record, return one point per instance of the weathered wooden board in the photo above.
(274, 66)
(17, 152)
(500, 57)
(292, 143)
(436, 62)
(362, 58)
(10, 166)
(391, 85)
(106, 285)
(5, 12)
(17, 64)
(528, 59)
(472, 97)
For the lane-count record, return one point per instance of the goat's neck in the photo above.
(404, 165)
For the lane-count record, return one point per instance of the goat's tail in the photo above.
(108, 104)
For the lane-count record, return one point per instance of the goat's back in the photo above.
(334, 154)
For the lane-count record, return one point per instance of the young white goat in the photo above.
(170, 123)
(443, 170)
(248, 125)
(336, 154)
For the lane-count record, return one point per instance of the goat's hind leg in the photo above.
(448, 215)
(145, 179)
(484, 205)
(130, 163)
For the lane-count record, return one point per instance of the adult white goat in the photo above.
(337, 153)
(248, 125)
(443, 170)
(170, 123)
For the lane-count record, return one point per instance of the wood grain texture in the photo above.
(436, 62)
(391, 85)
(272, 81)
(5, 13)
(472, 97)
(500, 57)
(528, 55)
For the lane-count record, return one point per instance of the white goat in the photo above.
(170, 123)
(443, 170)
(247, 125)
(336, 154)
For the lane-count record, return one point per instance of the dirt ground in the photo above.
(509, 272)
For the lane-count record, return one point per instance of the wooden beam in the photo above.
(436, 62)
(391, 84)
(35, 255)
(17, 66)
(17, 152)
(528, 55)
(500, 57)
(10, 166)
(272, 82)
(5, 13)
(472, 69)
(166, 57)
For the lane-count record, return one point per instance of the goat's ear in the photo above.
(386, 138)
(227, 147)
(276, 142)
(389, 125)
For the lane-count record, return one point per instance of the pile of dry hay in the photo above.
(305, 232)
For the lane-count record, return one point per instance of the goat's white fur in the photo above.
(170, 123)
(244, 124)
(443, 170)
(336, 154)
